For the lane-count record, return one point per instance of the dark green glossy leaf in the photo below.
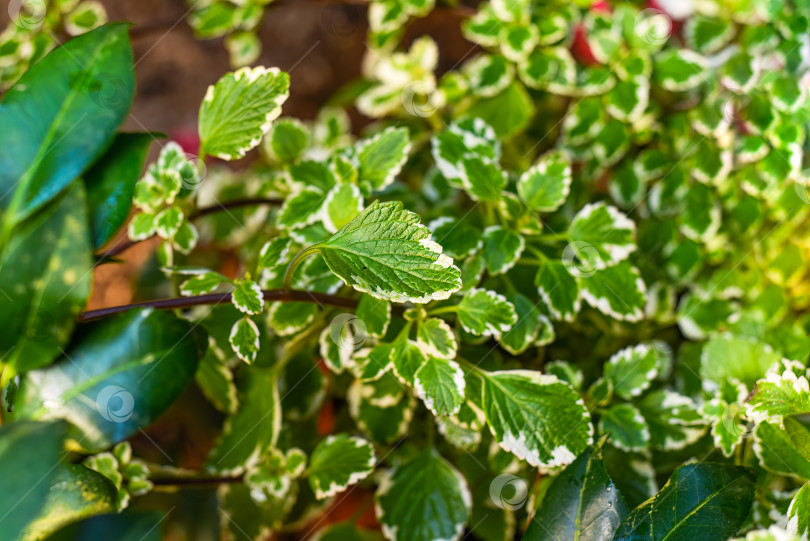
(700, 501)
(60, 116)
(581, 503)
(29, 454)
(75, 493)
(128, 526)
(117, 376)
(45, 282)
(111, 182)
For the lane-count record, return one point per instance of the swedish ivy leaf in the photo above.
(483, 179)
(423, 500)
(440, 384)
(337, 345)
(798, 514)
(239, 110)
(726, 415)
(385, 252)
(558, 289)
(633, 369)
(545, 186)
(215, 379)
(375, 314)
(727, 357)
(408, 358)
(338, 462)
(628, 100)
(488, 74)
(141, 226)
(713, 501)
(708, 34)
(382, 156)
(502, 248)
(312, 174)
(286, 318)
(274, 252)
(526, 330)
(617, 291)
(787, 93)
(436, 339)
(247, 297)
(606, 232)
(302, 209)
(202, 283)
(537, 418)
(581, 503)
(626, 427)
(373, 363)
(776, 453)
(288, 139)
(244, 339)
(485, 313)
(673, 420)
(565, 371)
(678, 70)
(509, 112)
(798, 430)
(186, 237)
(384, 423)
(784, 391)
(168, 222)
(458, 237)
(466, 138)
(342, 204)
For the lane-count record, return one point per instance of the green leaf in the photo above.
(29, 457)
(581, 503)
(633, 369)
(606, 232)
(46, 270)
(215, 379)
(798, 430)
(484, 312)
(385, 252)
(526, 330)
(626, 427)
(382, 156)
(385, 418)
(341, 205)
(424, 499)
(375, 315)
(244, 339)
(239, 110)
(558, 289)
(678, 70)
(202, 283)
(509, 112)
(118, 376)
(502, 248)
(287, 318)
(536, 417)
(338, 462)
(784, 391)
(60, 116)
(436, 338)
(673, 419)
(110, 184)
(464, 139)
(700, 501)
(775, 452)
(798, 514)
(288, 139)
(302, 208)
(459, 238)
(546, 185)
(407, 358)
(617, 291)
(440, 384)
(248, 433)
(75, 493)
(727, 357)
(247, 297)
(346, 531)
(482, 178)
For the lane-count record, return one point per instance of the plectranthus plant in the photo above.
(556, 292)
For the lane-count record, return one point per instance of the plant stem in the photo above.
(299, 257)
(280, 295)
(193, 481)
(443, 310)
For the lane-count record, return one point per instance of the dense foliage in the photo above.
(557, 292)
